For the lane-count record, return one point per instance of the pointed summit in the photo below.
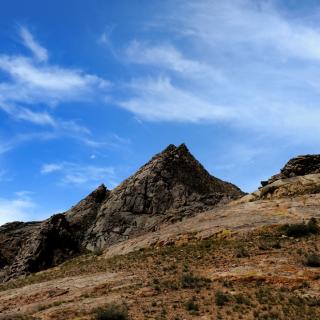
(172, 182)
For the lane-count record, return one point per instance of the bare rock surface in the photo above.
(237, 216)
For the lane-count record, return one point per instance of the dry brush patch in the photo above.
(262, 274)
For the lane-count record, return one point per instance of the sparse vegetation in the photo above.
(173, 281)
(297, 230)
(193, 282)
(313, 260)
(191, 305)
(221, 298)
(98, 251)
(112, 312)
(241, 252)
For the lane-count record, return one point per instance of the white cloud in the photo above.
(269, 66)
(25, 114)
(81, 175)
(33, 83)
(17, 208)
(165, 56)
(248, 24)
(39, 52)
(158, 100)
(50, 167)
(33, 86)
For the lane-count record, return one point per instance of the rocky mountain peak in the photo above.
(168, 180)
(171, 186)
(173, 182)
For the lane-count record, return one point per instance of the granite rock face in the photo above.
(300, 176)
(172, 184)
(12, 238)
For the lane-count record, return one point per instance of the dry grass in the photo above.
(250, 276)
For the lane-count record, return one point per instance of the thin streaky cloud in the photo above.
(39, 52)
(81, 175)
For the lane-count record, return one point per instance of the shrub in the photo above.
(112, 312)
(221, 298)
(241, 252)
(313, 260)
(241, 299)
(191, 305)
(98, 251)
(192, 282)
(301, 229)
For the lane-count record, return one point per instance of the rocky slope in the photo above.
(172, 185)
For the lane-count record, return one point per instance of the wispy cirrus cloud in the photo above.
(159, 100)
(266, 58)
(162, 56)
(17, 208)
(75, 174)
(33, 81)
(51, 167)
(39, 52)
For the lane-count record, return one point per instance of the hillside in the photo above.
(250, 257)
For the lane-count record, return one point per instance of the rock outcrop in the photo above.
(82, 216)
(45, 245)
(299, 166)
(13, 236)
(300, 176)
(171, 185)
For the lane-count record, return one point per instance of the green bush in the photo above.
(313, 260)
(112, 312)
(192, 282)
(297, 230)
(191, 305)
(221, 298)
(241, 252)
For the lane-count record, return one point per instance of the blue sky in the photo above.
(90, 90)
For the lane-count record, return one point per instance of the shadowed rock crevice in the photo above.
(47, 245)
